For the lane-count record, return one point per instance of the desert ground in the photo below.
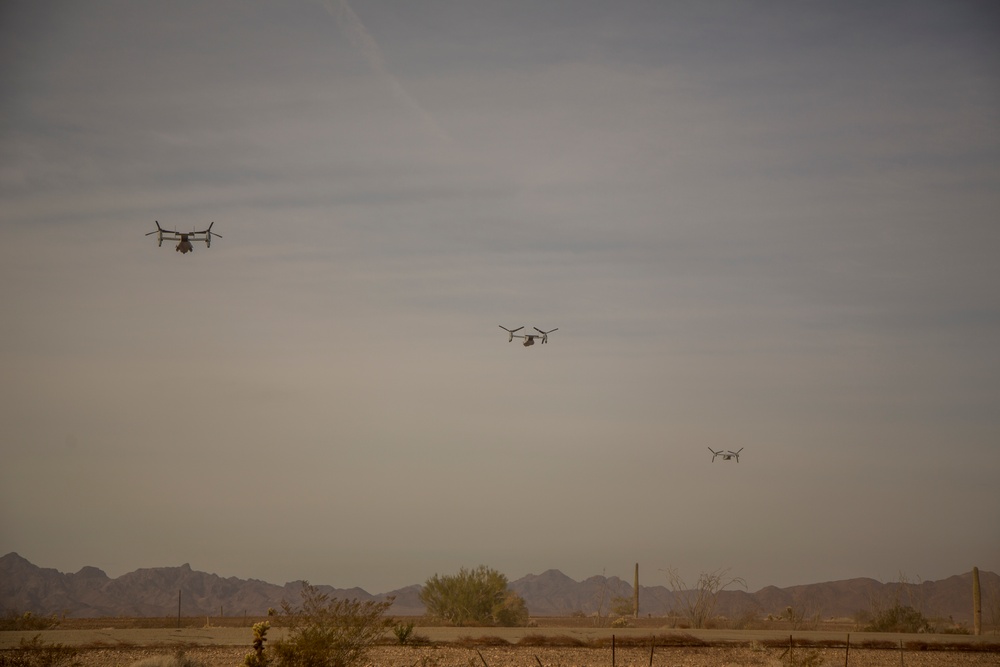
(533, 647)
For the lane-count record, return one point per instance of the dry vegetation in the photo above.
(518, 656)
(554, 643)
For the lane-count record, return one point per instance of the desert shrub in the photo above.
(808, 658)
(551, 640)
(953, 629)
(512, 612)
(472, 642)
(329, 632)
(178, 659)
(402, 631)
(678, 639)
(697, 604)
(13, 620)
(622, 605)
(745, 619)
(36, 653)
(799, 619)
(898, 618)
(473, 597)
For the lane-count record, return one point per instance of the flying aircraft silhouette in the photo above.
(184, 238)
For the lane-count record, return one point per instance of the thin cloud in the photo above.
(352, 27)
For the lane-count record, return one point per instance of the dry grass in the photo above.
(546, 656)
(553, 643)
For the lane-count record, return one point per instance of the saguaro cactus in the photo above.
(636, 591)
(977, 604)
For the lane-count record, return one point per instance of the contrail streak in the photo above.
(355, 31)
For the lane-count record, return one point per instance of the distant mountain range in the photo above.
(90, 593)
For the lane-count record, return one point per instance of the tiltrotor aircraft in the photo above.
(529, 339)
(184, 238)
(726, 456)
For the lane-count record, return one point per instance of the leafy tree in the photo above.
(328, 632)
(473, 597)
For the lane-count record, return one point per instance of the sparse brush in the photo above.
(486, 640)
(13, 620)
(551, 640)
(899, 618)
(178, 659)
(811, 658)
(403, 631)
(329, 631)
(36, 653)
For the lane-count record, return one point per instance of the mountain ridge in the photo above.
(159, 591)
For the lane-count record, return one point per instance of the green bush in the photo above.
(898, 618)
(402, 631)
(474, 597)
(512, 612)
(328, 632)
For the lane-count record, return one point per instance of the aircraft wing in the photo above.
(163, 231)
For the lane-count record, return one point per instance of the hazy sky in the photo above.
(762, 225)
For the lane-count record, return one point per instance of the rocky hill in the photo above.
(554, 594)
(155, 591)
(90, 593)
